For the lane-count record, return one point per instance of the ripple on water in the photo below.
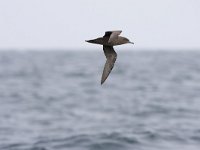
(86, 141)
(54, 100)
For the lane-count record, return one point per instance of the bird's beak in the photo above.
(131, 42)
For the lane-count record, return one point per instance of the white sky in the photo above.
(64, 24)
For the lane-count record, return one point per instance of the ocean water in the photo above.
(53, 100)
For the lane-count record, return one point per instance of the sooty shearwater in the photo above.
(110, 39)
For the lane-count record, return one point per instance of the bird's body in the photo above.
(110, 39)
(104, 41)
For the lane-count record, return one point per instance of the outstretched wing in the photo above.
(111, 57)
(112, 35)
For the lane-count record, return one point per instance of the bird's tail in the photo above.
(96, 41)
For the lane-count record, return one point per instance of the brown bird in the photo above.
(110, 39)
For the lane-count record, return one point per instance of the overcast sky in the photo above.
(63, 24)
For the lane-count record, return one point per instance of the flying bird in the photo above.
(110, 39)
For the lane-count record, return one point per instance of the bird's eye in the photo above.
(125, 39)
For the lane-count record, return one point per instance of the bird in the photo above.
(110, 39)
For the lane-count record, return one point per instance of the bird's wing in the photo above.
(111, 57)
(107, 34)
(112, 35)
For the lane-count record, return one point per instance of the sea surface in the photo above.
(53, 100)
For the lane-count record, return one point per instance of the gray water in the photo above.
(53, 100)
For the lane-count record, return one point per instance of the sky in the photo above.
(62, 24)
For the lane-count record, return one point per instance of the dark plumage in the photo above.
(110, 39)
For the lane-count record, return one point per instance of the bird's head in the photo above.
(125, 41)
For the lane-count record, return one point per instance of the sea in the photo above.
(53, 100)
